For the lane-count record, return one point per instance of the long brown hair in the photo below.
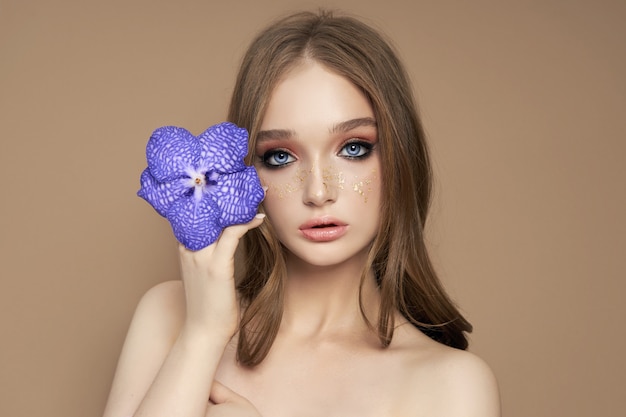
(398, 256)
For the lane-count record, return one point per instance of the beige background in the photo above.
(524, 103)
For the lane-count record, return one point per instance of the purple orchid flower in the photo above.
(200, 184)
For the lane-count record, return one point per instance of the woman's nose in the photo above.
(319, 187)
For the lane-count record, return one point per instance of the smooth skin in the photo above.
(325, 361)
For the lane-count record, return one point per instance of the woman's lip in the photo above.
(318, 222)
(324, 234)
(323, 229)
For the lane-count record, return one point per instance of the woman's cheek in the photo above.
(333, 177)
(283, 185)
(365, 185)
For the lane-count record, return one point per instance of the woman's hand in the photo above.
(178, 335)
(227, 403)
(208, 278)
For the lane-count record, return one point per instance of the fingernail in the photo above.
(260, 216)
(265, 188)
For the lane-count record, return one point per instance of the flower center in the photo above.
(199, 180)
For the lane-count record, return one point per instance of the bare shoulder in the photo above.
(158, 318)
(166, 298)
(443, 381)
(468, 387)
(160, 312)
(153, 330)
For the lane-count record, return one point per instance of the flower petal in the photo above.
(223, 148)
(170, 152)
(195, 222)
(238, 196)
(200, 184)
(161, 195)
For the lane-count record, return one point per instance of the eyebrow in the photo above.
(348, 125)
(341, 127)
(275, 134)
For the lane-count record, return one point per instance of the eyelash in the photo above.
(365, 148)
(363, 151)
(274, 152)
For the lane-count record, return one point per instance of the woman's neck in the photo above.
(322, 301)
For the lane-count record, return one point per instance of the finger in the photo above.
(228, 241)
(220, 393)
(241, 229)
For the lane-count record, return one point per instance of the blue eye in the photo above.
(277, 158)
(356, 150)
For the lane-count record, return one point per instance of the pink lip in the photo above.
(323, 229)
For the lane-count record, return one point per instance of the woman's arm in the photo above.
(178, 335)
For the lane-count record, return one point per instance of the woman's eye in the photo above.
(356, 150)
(277, 158)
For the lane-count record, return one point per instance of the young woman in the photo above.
(336, 310)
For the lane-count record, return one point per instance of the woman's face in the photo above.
(317, 152)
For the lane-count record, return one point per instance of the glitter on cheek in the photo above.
(296, 183)
(364, 186)
(332, 177)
